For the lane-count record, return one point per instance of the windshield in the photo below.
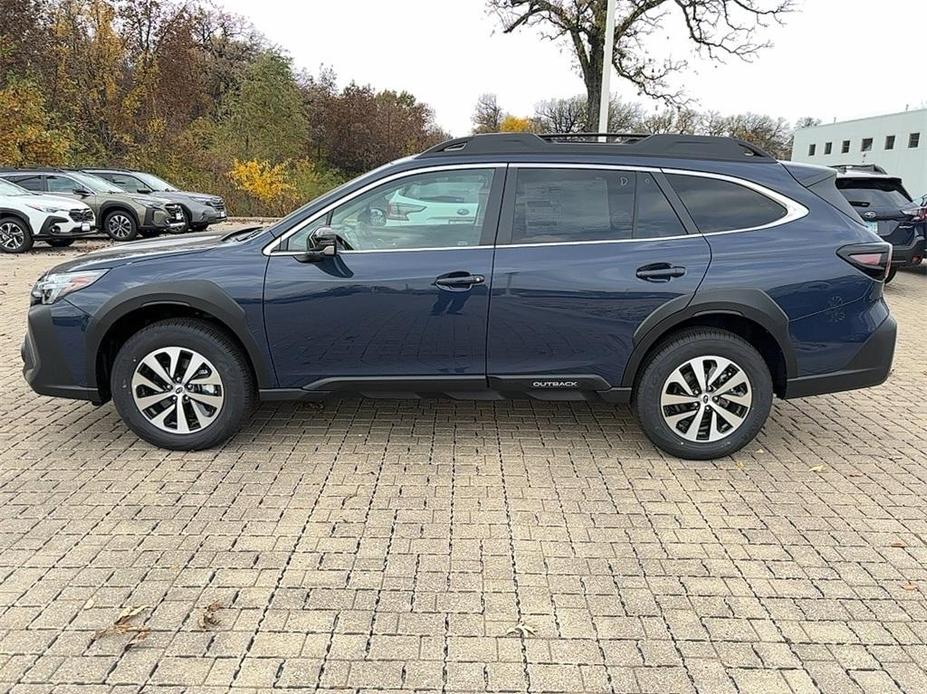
(7, 188)
(881, 193)
(95, 183)
(154, 183)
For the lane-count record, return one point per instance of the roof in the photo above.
(625, 144)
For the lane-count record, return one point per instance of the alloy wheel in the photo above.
(178, 390)
(12, 236)
(119, 226)
(706, 399)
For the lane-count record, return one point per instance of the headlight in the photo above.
(45, 208)
(49, 288)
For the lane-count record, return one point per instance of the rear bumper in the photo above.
(870, 367)
(909, 255)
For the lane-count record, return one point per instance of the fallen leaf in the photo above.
(816, 468)
(760, 450)
(521, 630)
(909, 586)
(208, 618)
(88, 604)
(899, 544)
(123, 625)
(740, 465)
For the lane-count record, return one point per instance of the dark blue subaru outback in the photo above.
(694, 277)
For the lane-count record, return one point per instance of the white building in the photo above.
(897, 142)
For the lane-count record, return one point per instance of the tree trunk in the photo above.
(592, 77)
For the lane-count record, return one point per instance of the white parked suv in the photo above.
(26, 216)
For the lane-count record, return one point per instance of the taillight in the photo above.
(874, 259)
(917, 214)
(400, 212)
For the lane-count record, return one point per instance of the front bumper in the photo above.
(162, 221)
(52, 361)
(870, 367)
(63, 227)
(211, 215)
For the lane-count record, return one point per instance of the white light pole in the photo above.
(605, 96)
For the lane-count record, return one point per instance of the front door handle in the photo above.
(660, 272)
(459, 280)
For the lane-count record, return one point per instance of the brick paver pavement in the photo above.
(374, 545)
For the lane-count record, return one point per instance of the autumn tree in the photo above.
(28, 136)
(715, 28)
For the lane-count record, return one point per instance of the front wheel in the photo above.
(120, 226)
(704, 394)
(182, 384)
(15, 236)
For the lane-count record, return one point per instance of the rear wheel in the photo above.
(15, 236)
(59, 243)
(892, 271)
(182, 384)
(704, 394)
(120, 226)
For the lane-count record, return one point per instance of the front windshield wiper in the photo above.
(243, 234)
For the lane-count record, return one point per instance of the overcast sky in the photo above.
(833, 59)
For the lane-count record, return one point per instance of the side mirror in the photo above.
(143, 191)
(321, 244)
(83, 192)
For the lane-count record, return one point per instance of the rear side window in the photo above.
(877, 193)
(716, 205)
(34, 183)
(571, 205)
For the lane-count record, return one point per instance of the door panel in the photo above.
(407, 295)
(378, 314)
(562, 308)
(572, 310)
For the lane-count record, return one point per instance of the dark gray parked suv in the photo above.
(199, 209)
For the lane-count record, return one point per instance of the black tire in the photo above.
(892, 271)
(149, 233)
(59, 243)
(198, 227)
(674, 353)
(238, 388)
(120, 226)
(15, 236)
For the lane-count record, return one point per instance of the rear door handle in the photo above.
(660, 272)
(459, 280)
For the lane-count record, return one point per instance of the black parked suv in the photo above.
(199, 209)
(887, 209)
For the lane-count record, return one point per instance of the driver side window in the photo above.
(440, 209)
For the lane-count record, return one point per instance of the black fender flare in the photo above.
(753, 304)
(201, 295)
(9, 212)
(108, 207)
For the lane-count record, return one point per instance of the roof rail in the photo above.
(629, 144)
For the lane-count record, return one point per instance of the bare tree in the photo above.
(488, 115)
(561, 115)
(717, 28)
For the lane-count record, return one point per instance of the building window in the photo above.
(866, 146)
(845, 147)
(889, 142)
(811, 149)
(828, 147)
(914, 139)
